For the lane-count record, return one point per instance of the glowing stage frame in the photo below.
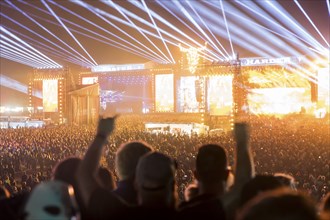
(36, 78)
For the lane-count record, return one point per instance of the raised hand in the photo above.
(106, 126)
(241, 132)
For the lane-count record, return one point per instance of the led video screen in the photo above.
(188, 98)
(49, 93)
(220, 95)
(278, 100)
(164, 89)
(125, 94)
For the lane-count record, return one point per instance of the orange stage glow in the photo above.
(220, 95)
(278, 100)
(324, 88)
(49, 94)
(164, 93)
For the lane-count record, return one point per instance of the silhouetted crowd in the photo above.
(268, 168)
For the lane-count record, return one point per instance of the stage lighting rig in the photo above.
(192, 54)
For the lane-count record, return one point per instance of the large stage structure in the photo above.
(217, 93)
(52, 82)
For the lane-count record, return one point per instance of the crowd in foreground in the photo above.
(129, 172)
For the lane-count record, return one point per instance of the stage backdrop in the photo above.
(84, 105)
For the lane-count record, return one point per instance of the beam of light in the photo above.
(165, 22)
(210, 55)
(17, 58)
(312, 23)
(256, 10)
(7, 50)
(262, 33)
(145, 31)
(239, 41)
(27, 45)
(55, 53)
(192, 20)
(60, 55)
(67, 30)
(189, 27)
(234, 12)
(202, 20)
(14, 49)
(15, 46)
(48, 31)
(154, 54)
(328, 4)
(160, 35)
(227, 28)
(268, 19)
(316, 51)
(272, 39)
(17, 86)
(179, 19)
(44, 38)
(115, 6)
(44, 11)
(303, 73)
(288, 19)
(276, 41)
(99, 12)
(241, 38)
(244, 36)
(113, 43)
(19, 53)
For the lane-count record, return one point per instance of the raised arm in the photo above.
(87, 171)
(244, 169)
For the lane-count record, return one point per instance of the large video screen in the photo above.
(278, 100)
(189, 94)
(125, 94)
(220, 95)
(164, 88)
(324, 87)
(49, 93)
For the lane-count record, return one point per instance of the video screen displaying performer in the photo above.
(220, 95)
(164, 88)
(50, 95)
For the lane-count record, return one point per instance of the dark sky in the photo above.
(106, 54)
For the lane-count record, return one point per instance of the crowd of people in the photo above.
(291, 148)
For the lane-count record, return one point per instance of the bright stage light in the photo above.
(324, 60)
(73, 59)
(50, 95)
(164, 92)
(18, 86)
(102, 14)
(279, 100)
(193, 57)
(69, 32)
(320, 113)
(49, 32)
(220, 95)
(31, 52)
